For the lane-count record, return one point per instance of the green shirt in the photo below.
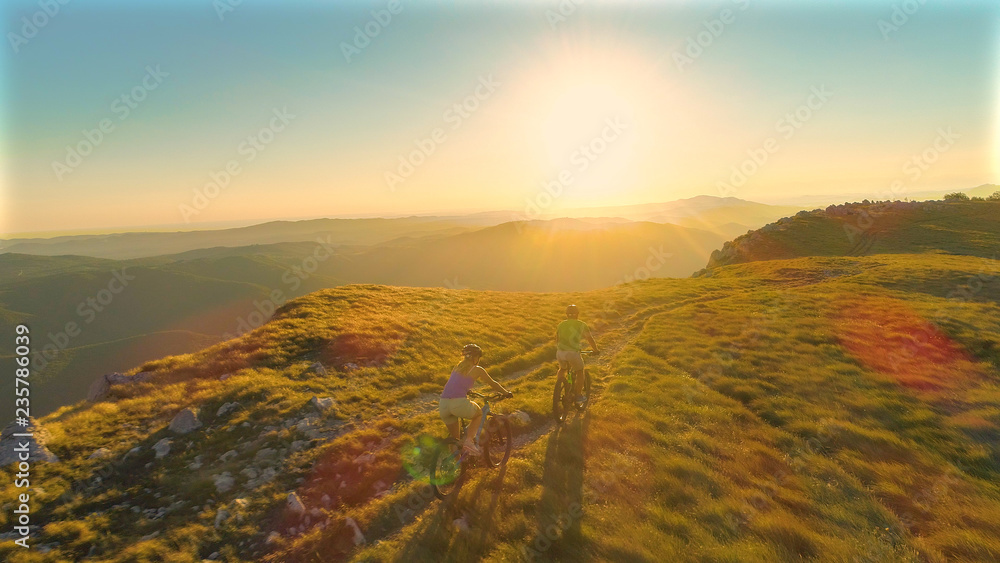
(570, 335)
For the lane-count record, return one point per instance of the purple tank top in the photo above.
(458, 386)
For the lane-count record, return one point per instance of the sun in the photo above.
(587, 113)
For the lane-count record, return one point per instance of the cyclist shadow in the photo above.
(560, 508)
(439, 522)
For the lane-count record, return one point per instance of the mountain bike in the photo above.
(562, 398)
(449, 461)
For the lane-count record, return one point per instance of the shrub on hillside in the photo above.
(956, 196)
(994, 197)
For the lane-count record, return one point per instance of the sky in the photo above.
(200, 112)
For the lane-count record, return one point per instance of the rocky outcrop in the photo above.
(101, 387)
(321, 404)
(162, 448)
(11, 446)
(185, 422)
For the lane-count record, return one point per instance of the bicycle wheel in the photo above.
(446, 468)
(559, 397)
(586, 390)
(497, 448)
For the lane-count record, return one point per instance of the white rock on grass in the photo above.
(100, 453)
(224, 482)
(162, 448)
(221, 517)
(520, 417)
(226, 409)
(186, 421)
(319, 368)
(295, 505)
(321, 404)
(272, 538)
(359, 538)
(231, 454)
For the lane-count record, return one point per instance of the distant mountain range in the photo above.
(190, 289)
(726, 216)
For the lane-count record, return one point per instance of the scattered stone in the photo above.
(461, 525)
(100, 453)
(186, 421)
(224, 482)
(225, 376)
(162, 448)
(359, 538)
(322, 405)
(196, 464)
(520, 417)
(298, 445)
(100, 388)
(364, 459)
(351, 366)
(215, 555)
(37, 451)
(326, 501)
(220, 518)
(295, 505)
(266, 454)
(272, 538)
(226, 409)
(231, 454)
(319, 368)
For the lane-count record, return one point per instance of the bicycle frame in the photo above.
(482, 420)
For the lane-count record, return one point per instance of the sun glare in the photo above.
(589, 112)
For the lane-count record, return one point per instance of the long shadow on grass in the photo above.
(437, 540)
(560, 508)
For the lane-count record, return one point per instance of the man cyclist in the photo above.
(455, 404)
(569, 343)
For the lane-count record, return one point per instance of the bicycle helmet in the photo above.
(470, 350)
(572, 311)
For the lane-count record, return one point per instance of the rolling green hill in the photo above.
(199, 296)
(855, 229)
(828, 409)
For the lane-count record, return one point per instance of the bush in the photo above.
(994, 197)
(956, 196)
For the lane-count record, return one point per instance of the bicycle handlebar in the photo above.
(494, 398)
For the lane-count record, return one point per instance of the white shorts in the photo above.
(453, 409)
(570, 358)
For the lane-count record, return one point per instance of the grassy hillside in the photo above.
(201, 295)
(968, 228)
(828, 409)
(561, 255)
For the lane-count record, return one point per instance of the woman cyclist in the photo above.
(455, 403)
